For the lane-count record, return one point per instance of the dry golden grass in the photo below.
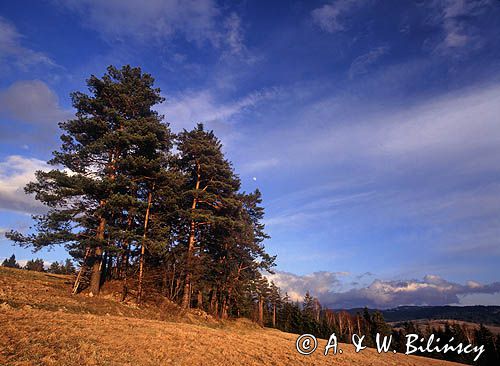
(41, 324)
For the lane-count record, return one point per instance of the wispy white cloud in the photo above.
(454, 17)
(361, 64)
(305, 211)
(234, 35)
(259, 165)
(201, 22)
(433, 131)
(11, 48)
(330, 17)
(185, 110)
(139, 20)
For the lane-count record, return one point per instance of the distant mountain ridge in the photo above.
(475, 314)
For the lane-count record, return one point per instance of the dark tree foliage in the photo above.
(35, 265)
(66, 268)
(11, 262)
(161, 213)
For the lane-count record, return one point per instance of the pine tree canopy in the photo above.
(132, 201)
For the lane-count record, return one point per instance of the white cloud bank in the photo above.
(431, 290)
(15, 172)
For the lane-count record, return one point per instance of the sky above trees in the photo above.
(370, 127)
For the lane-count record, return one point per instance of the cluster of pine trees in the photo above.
(310, 317)
(160, 212)
(38, 265)
(66, 268)
(11, 262)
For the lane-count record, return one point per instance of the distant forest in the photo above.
(474, 314)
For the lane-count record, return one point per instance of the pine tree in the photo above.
(35, 265)
(55, 268)
(486, 338)
(208, 189)
(275, 299)
(68, 267)
(11, 262)
(378, 325)
(114, 123)
(240, 256)
(308, 305)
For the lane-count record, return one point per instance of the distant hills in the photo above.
(474, 314)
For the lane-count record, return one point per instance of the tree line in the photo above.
(161, 213)
(459, 333)
(38, 265)
(309, 317)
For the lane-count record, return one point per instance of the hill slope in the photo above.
(43, 325)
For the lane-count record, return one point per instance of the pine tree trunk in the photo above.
(125, 258)
(171, 297)
(213, 299)
(143, 248)
(187, 281)
(124, 274)
(192, 232)
(225, 304)
(95, 279)
(223, 314)
(164, 283)
(200, 300)
(274, 315)
(261, 311)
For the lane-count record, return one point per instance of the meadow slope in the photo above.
(41, 324)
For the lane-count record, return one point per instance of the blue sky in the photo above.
(371, 127)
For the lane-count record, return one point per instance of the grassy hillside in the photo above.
(42, 324)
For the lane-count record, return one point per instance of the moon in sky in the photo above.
(254, 178)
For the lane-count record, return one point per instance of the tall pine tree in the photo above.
(114, 131)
